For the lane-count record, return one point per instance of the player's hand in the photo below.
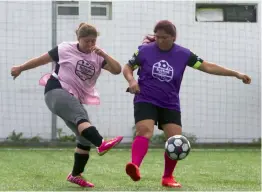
(134, 87)
(246, 79)
(98, 51)
(16, 71)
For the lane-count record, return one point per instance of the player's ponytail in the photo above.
(85, 29)
(80, 25)
(148, 39)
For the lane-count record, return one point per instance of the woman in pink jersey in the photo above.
(72, 83)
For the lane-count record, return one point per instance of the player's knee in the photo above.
(82, 125)
(82, 149)
(172, 130)
(144, 130)
(176, 131)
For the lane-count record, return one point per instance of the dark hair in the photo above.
(165, 25)
(85, 30)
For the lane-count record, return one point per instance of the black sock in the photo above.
(93, 136)
(80, 163)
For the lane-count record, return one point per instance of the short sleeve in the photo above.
(194, 61)
(104, 63)
(133, 62)
(54, 54)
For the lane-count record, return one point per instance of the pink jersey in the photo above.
(78, 72)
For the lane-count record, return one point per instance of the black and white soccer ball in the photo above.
(177, 147)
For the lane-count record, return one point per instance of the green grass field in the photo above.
(46, 170)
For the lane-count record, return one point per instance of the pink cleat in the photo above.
(79, 180)
(107, 145)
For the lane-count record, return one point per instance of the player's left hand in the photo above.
(246, 79)
(98, 51)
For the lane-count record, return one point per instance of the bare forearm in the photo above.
(114, 65)
(219, 70)
(36, 62)
(32, 63)
(128, 73)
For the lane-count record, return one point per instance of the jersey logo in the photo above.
(85, 69)
(162, 71)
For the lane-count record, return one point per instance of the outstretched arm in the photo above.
(36, 62)
(215, 69)
(32, 63)
(211, 68)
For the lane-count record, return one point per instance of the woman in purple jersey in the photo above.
(161, 64)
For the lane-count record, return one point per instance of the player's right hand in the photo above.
(16, 71)
(134, 87)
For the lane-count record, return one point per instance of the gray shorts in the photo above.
(69, 108)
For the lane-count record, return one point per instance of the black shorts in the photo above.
(161, 116)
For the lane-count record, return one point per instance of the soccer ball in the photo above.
(177, 147)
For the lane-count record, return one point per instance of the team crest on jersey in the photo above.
(85, 69)
(162, 71)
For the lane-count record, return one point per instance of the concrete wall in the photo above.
(213, 108)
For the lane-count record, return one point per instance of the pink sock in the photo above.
(139, 149)
(169, 166)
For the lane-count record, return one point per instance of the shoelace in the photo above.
(79, 180)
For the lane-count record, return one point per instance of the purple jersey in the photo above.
(161, 73)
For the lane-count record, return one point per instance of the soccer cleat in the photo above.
(170, 182)
(79, 180)
(107, 145)
(133, 171)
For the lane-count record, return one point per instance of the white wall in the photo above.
(214, 108)
(24, 33)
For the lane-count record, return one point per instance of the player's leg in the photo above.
(170, 121)
(81, 157)
(145, 117)
(70, 109)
